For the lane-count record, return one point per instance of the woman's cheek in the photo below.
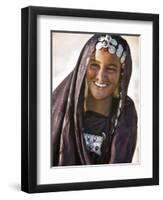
(91, 74)
(114, 78)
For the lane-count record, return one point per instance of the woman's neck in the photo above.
(100, 106)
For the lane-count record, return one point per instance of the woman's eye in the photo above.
(94, 66)
(111, 69)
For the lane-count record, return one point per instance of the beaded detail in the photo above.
(93, 143)
(113, 47)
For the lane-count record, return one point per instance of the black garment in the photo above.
(97, 124)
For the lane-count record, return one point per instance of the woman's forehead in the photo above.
(103, 56)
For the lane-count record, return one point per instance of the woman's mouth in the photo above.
(100, 85)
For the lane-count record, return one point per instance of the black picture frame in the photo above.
(29, 98)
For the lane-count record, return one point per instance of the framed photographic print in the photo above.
(90, 99)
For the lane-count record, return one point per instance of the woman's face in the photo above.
(103, 74)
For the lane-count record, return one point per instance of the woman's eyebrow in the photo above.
(93, 60)
(107, 65)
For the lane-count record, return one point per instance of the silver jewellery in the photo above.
(118, 114)
(93, 142)
(112, 45)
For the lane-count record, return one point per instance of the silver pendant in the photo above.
(93, 143)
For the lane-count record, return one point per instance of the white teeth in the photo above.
(100, 85)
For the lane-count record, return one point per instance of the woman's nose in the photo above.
(101, 75)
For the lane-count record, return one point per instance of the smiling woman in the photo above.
(103, 76)
(94, 121)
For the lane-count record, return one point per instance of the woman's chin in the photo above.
(98, 96)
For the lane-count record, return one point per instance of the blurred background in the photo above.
(66, 48)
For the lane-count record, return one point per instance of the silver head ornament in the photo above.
(113, 47)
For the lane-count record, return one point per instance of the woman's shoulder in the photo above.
(130, 106)
(62, 86)
(129, 101)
